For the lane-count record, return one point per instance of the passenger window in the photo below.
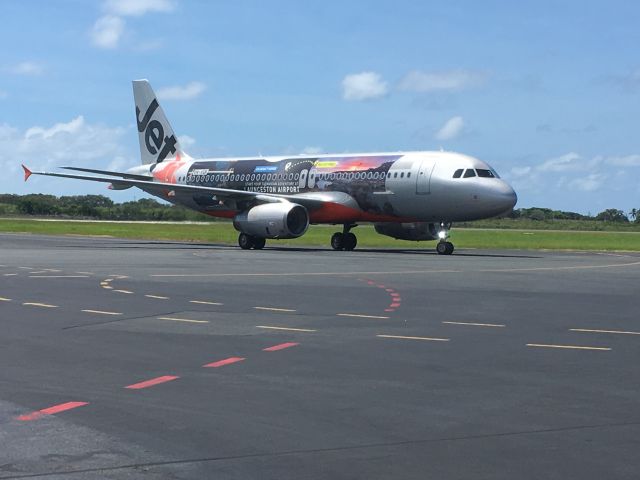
(485, 173)
(408, 174)
(469, 173)
(395, 174)
(401, 174)
(458, 173)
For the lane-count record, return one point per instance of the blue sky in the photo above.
(548, 93)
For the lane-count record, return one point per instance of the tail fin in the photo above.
(158, 142)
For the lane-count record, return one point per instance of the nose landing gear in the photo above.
(344, 240)
(444, 247)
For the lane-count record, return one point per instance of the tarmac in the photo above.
(126, 359)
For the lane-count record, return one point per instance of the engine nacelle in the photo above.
(273, 220)
(408, 231)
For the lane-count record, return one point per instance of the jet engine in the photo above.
(408, 231)
(273, 220)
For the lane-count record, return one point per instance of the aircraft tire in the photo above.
(245, 241)
(349, 241)
(444, 248)
(259, 243)
(337, 241)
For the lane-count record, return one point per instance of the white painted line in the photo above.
(102, 312)
(58, 276)
(402, 337)
(202, 302)
(10, 274)
(44, 305)
(174, 319)
(26, 268)
(285, 328)
(360, 316)
(3, 299)
(587, 330)
(273, 309)
(569, 347)
(128, 292)
(497, 325)
(85, 273)
(107, 287)
(157, 296)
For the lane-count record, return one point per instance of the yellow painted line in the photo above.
(476, 324)
(44, 305)
(202, 302)
(129, 292)
(285, 328)
(174, 319)
(402, 337)
(272, 309)
(157, 296)
(621, 332)
(360, 316)
(3, 299)
(102, 312)
(569, 347)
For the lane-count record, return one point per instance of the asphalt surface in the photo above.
(378, 364)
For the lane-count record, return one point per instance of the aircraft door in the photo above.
(423, 178)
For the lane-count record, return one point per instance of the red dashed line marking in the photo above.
(281, 346)
(51, 411)
(395, 296)
(226, 361)
(151, 382)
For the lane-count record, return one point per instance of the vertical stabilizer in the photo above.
(158, 142)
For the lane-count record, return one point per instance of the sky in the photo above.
(546, 92)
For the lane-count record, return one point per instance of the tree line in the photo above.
(99, 207)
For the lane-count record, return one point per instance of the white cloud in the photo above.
(455, 80)
(451, 129)
(363, 86)
(588, 183)
(27, 68)
(107, 31)
(186, 141)
(568, 161)
(65, 143)
(627, 161)
(312, 150)
(187, 92)
(135, 8)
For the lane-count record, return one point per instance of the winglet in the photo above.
(27, 173)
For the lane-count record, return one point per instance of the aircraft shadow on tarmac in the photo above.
(216, 246)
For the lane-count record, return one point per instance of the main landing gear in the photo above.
(344, 240)
(444, 247)
(247, 242)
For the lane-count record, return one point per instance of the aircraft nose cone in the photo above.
(507, 198)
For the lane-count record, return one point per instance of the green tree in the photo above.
(612, 215)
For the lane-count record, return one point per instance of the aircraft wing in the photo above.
(132, 176)
(311, 201)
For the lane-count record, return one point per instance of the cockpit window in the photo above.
(485, 173)
(458, 173)
(470, 172)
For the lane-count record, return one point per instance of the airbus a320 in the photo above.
(406, 195)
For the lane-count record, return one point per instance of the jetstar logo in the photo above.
(154, 138)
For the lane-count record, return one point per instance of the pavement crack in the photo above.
(135, 466)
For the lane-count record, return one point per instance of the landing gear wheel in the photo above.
(349, 241)
(245, 241)
(337, 241)
(445, 248)
(259, 243)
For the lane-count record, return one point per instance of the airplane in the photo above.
(406, 195)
